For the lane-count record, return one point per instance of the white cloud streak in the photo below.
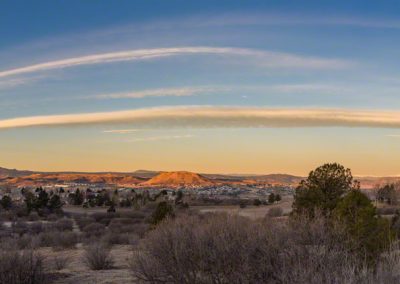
(121, 131)
(164, 92)
(267, 58)
(214, 116)
(160, 138)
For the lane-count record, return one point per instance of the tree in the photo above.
(30, 201)
(387, 193)
(55, 202)
(162, 211)
(271, 198)
(323, 189)
(6, 202)
(77, 197)
(370, 235)
(42, 200)
(256, 202)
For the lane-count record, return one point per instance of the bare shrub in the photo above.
(36, 227)
(58, 240)
(84, 221)
(21, 267)
(52, 217)
(275, 212)
(65, 240)
(63, 225)
(19, 227)
(232, 249)
(28, 242)
(94, 230)
(133, 215)
(60, 262)
(97, 257)
(33, 216)
(116, 238)
(386, 210)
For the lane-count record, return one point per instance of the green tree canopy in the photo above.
(162, 211)
(370, 234)
(323, 189)
(6, 202)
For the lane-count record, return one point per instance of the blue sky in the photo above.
(166, 78)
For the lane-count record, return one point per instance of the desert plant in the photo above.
(94, 229)
(60, 262)
(21, 267)
(275, 212)
(63, 225)
(97, 256)
(162, 211)
(232, 249)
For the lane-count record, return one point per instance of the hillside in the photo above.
(60, 178)
(180, 178)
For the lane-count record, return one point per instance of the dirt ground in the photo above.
(76, 272)
(253, 212)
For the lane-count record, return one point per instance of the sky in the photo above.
(251, 87)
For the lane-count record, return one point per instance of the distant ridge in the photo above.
(14, 177)
(179, 178)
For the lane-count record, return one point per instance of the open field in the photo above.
(77, 272)
(253, 212)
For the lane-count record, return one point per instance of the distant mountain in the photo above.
(276, 179)
(145, 173)
(180, 178)
(13, 173)
(60, 178)
(144, 177)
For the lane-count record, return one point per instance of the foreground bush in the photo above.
(97, 257)
(275, 212)
(229, 249)
(21, 267)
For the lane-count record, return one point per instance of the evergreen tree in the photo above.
(162, 211)
(6, 202)
(271, 198)
(323, 189)
(55, 202)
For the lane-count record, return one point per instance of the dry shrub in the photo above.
(275, 212)
(58, 240)
(115, 238)
(98, 257)
(21, 267)
(60, 262)
(84, 221)
(232, 249)
(52, 217)
(33, 216)
(63, 225)
(28, 242)
(386, 210)
(94, 230)
(133, 215)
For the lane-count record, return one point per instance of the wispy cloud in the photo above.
(214, 116)
(159, 138)
(121, 131)
(164, 92)
(285, 19)
(14, 82)
(267, 58)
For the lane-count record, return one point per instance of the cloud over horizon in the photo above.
(215, 116)
(267, 58)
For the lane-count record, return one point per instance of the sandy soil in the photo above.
(77, 272)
